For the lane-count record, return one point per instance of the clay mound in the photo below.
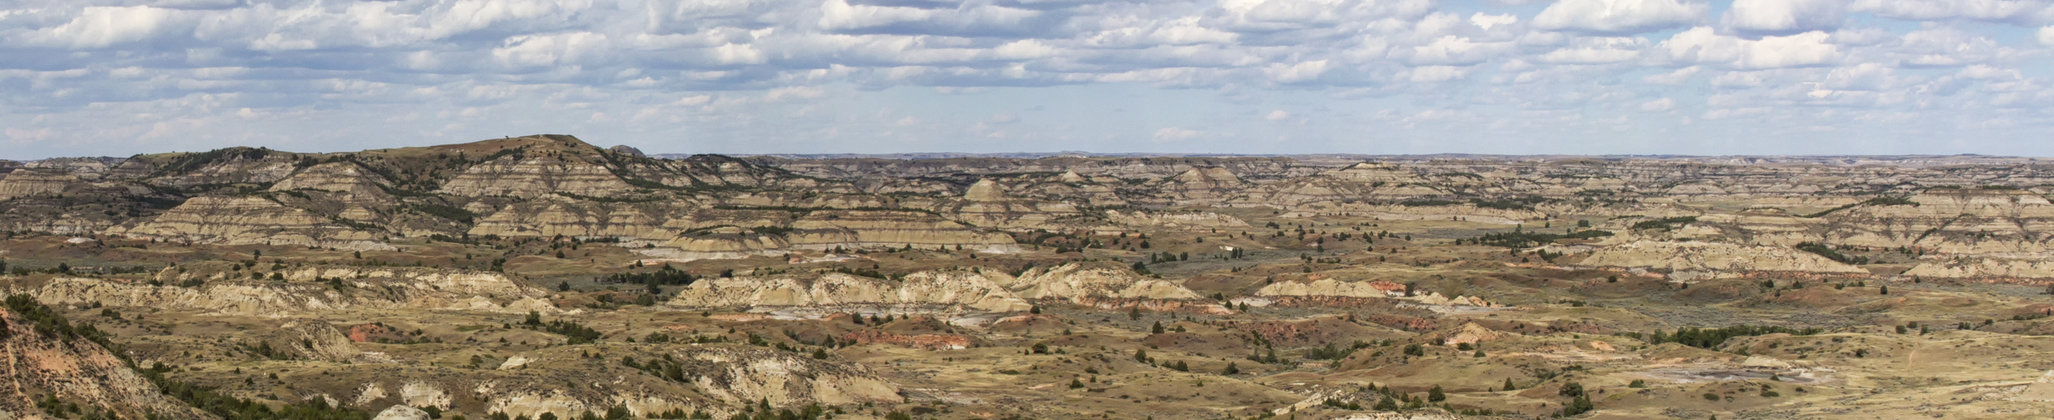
(1209, 175)
(1332, 287)
(1471, 333)
(985, 190)
(1715, 256)
(1071, 177)
(1077, 281)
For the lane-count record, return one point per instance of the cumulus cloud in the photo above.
(1701, 45)
(1597, 50)
(1618, 16)
(1783, 17)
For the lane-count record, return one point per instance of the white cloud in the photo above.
(101, 26)
(1283, 15)
(1781, 17)
(1457, 50)
(1295, 73)
(1435, 74)
(1658, 105)
(1488, 21)
(1672, 78)
(1277, 115)
(1597, 50)
(2014, 11)
(2046, 34)
(794, 92)
(1702, 46)
(1618, 16)
(1945, 47)
(1175, 134)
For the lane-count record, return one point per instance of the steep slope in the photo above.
(45, 357)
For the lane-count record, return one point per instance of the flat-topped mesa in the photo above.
(235, 165)
(1109, 287)
(31, 182)
(727, 242)
(926, 291)
(250, 220)
(1718, 258)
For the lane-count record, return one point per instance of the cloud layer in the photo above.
(1255, 76)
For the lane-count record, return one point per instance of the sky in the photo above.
(1745, 77)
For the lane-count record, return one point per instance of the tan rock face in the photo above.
(249, 220)
(1079, 282)
(301, 293)
(529, 176)
(881, 228)
(342, 177)
(742, 375)
(1333, 287)
(549, 216)
(25, 183)
(837, 292)
(1175, 220)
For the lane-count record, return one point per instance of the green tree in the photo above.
(1436, 395)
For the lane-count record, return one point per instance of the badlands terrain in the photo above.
(543, 277)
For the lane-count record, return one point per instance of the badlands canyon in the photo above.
(542, 277)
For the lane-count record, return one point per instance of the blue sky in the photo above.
(119, 77)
